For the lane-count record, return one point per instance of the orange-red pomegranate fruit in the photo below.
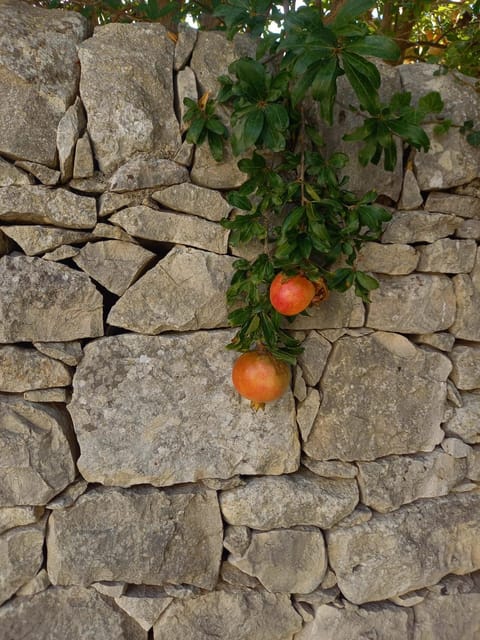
(260, 377)
(290, 295)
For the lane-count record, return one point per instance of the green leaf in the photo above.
(377, 46)
(411, 133)
(277, 116)
(215, 125)
(324, 87)
(474, 138)
(251, 72)
(252, 128)
(215, 143)
(364, 78)
(352, 9)
(302, 85)
(195, 130)
(366, 281)
(240, 202)
(431, 102)
(293, 219)
(442, 127)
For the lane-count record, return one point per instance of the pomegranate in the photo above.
(260, 377)
(290, 295)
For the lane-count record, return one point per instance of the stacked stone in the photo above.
(138, 491)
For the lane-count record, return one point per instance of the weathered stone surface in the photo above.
(38, 583)
(330, 468)
(48, 395)
(307, 410)
(360, 417)
(207, 172)
(109, 202)
(113, 263)
(463, 206)
(359, 516)
(393, 259)
(184, 155)
(237, 539)
(198, 201)
(70, 128)
(314, 357)
(299, 386)
(36, 239)
(39, 205)
(45, 175)
(286, 560)
(339, 310)
(419, 226)
(446, 617)
(142, 535)
(448, 256)
(164, 226)
(75, 613)
(186, 39)
(442, 340)
(465, 422)
(416, 303)
(388, 483)
(144, 604)
(186, 87)
(10, 175)
(407, 549)
(411, 197)
(35, 454)
(468, 229)
(177, 417)
(43, 301)
(68, 495)
(5, 244)
(39, 75)
(230, 615)
(346, 623)
(22, 369)
(466, 367)
(109, 231)
(183, 292)
(136, 75)
(83, 163)
(21, 556)
(231, 575)
(297, 499)
(11, 517)
(68, 352)
(467, 291)
(456, 447)
(61, 253)
(473, 464)
(96, 184)
(144, 172)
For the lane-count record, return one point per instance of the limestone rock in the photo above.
(11, 517)
(70, 128)
(144, 604)
(45, 175)
(43, 301)
(184, 155)
(466, 367)
(55, 394)
(330, 468)
(448, 256)
(68, 495)
(96, 184)
(297, 499)
(360, 418)
(237, 539)
(35, 455)
(473, 464)
(187, 37)
(393, 259)
(68, 352)
(198, 201)
(360, 515)
(109, 231)
(36, 239)
(446, 617)
(64, 252)
(74, 613)
(467, 291)
(465, 422)
(144, 172)
(38, 583)
(299, 386)
(417, 303)
(177, 417)
(307, 411)
(468, 229)
(113, 263)
(83, 163)
(314, 357)
(419, 226)
(407, 549)
(388, 483)
(231, 575)
(229, 615)
(136, 74)
(22, 369)
(10, 175)
(442, 340)
(286, 560)
(109, 202)
(39, 75)
(110, 588)
(142, 535)
(186, 87)
(39, 205)
(411, 197)
(339, 310)
(456, 447)
(21, 556)
(463, 206)
(5, 244)
(185, 291)
(207, 172)
(164, 226)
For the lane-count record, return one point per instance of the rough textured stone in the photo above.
(109, 202)
(183, 292)
(113, 263)
(36, 239)
(456, 447)
(11, 517)
(39, 75)
(144, 604)
(416, 303)
(237, 539)
(463, 206)
(96, 184)
(186, 39)
(286, 560)
(359, 516)
(45, 175)
(5, 244)
(448, 256)
(136, 75)
(298, 499)
(314, 357)
(35, 453)
(70, 128)
(144, 172)
(109, 231)
(299, 386)
(177, 417)
(68, 352)
(473, 464)
(83, 163)
(43, 301)
(468, 229)
(10, 175)
(447, 617)
(388, 483)
(38, 583)
(68, 495)
(466, 367)
(193, 199)
(442, 340)
(142, 535)
(40, 205)
(407, 549)
(419, 226)
(47, 395)
(61, 253)
(411, 197)
(465, 422)
(339, 310)
(393, 259)
(207, 172)
(186, 87)
(164, 226)
(22, 369)
(467, 291)
(229, 615)
(368, 407)
(21, 556)
(330, 468)
(75, 613)
(307, 410)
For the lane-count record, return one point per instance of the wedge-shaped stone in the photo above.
(10, 175)
(183, 292)
(198, 201)
(144, 604)
(187, 37)
(445, 617)
(465, 422)
(68, 352)
(144, 172)
(70, 128)
(140, 535)
(448, 256)
(419, 226)
(40, 205)
(466, 366)
(463, 206)
(44, 174)
(37, 239)
(177, 417)
(408, 549)
(417, 303)
(23, 369)
(381, 395)
(230, 615)
(136, 75)
(11, 517)
(297, 499)
(45, 301)
(411, 197)
(388, 483)
(164, 226)
(35, 453)
(314, 357)
(393, 259)
(75, 613)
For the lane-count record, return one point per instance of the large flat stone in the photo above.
(465, 421)
(448, 256)
(393, 259)
(419, 226)
(140, 535)
(11, 517)
(176, 415)
(193, 199)
(458, 205)
(39, 238)
(448, 617)
(144, 172)
(24, 369)
(466, 366)
(381, 395)
(408, 549)
(339, 310)
(44, 301)
(467, 291)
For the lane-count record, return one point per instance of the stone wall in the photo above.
(140, 496)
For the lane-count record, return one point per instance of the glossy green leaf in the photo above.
(366, 281)
(252, 127)
(277, 116)
(215, 144)
(376, 46)
(350, 10)
(364, 78)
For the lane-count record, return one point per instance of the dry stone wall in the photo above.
(140, 496)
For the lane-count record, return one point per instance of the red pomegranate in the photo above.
(290, 295)
(260, 377)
